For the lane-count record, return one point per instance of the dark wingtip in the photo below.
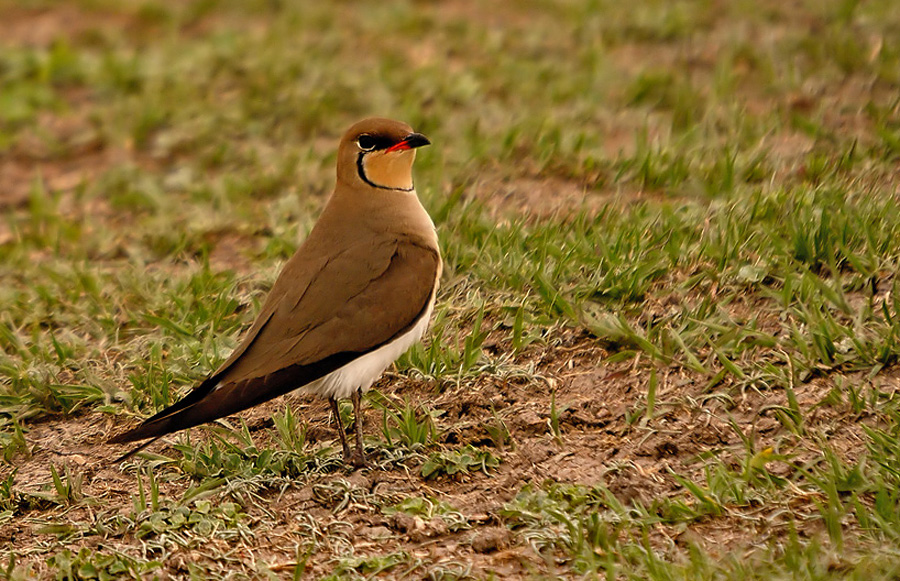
(134, 434)
(120, 439)
(131, 452)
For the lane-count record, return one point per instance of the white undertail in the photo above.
(362, 372)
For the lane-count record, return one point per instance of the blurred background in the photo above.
(532, 105)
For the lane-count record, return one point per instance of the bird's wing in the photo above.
(352, 267)
(355, 302)
(359, 301)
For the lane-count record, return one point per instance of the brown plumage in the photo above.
(356, 294)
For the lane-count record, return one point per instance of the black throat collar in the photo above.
(361, 170)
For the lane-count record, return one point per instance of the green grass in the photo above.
(698, 199)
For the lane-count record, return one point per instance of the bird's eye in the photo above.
(366, 142)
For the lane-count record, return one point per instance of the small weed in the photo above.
(568, 519)
(193, 524)
(369, 567)
(89, 564)
(290, 433)
(225, 457)
(13, 444)
(427, 509)
(499, 432)
(9, 498)
(554, 419)
(406, 425)
(68, 487)
(459, 462)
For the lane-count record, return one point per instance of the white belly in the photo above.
(362, 372)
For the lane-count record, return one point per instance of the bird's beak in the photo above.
(411, 141)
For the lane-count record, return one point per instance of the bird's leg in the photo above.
(340, 427)
(359, 455)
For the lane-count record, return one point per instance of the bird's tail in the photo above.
(183, 414)
(216, 398)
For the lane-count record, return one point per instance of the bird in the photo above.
(358, 293)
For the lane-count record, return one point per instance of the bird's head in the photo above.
(379, 153)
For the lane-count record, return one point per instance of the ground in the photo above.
(667, 335)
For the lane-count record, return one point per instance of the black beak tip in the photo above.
(414, 140)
